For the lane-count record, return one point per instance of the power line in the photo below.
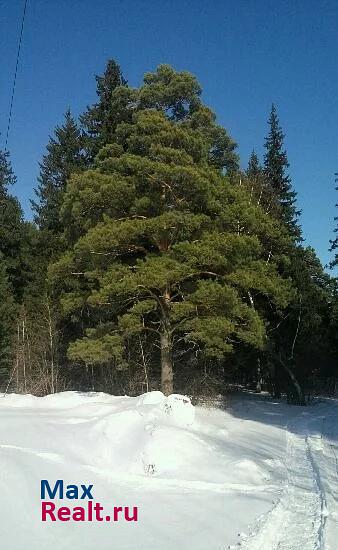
(16, 71)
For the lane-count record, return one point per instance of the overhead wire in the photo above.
(16, 71)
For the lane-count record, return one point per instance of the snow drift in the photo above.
(201, 478)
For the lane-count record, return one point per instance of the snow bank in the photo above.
(150, 435)
(200, 477)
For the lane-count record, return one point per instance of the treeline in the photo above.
(154, 261)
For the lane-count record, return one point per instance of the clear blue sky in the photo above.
(246, 54)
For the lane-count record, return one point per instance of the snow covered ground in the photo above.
(259, 476)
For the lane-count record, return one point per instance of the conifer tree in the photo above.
(12, 230)
(334, 242)
(63, 157)
(7, 316)
(276, 166)
(161, 243)
(254, 168)
(177, 95)
(304, 342)
(256, 182)
(7, 176)
(100, 120)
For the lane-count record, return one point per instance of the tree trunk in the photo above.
(295, 383)
(167, 371)
(144, 364)
(51, 347)
(258, 376)
(167, 374)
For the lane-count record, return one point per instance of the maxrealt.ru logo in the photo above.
(88, 511)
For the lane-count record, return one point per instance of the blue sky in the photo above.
(246, 55)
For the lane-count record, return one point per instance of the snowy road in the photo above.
(258, 476)
(298, 519)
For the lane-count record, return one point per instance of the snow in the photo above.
(260, 475)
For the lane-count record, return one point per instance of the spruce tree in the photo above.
(7, 176)
(256, 182)
(276, 170)
(7, 318)
(304, 342)
(334, 242)
(100, 120)
(13, 230)
(254, 168)
(10, 261)
(64, 156)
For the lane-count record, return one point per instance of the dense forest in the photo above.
(155, 262)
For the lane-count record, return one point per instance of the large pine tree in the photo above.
(177, 95)
(276, 169)
(161, 243)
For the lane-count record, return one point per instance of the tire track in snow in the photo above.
(297, 520)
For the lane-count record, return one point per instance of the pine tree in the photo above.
(64, 156)
(177, 95)
(101, 119)
(166, 247)
(276, 165)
